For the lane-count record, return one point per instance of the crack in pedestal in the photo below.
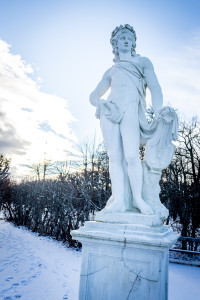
(132, 286)
(89, 274)
(138, 276)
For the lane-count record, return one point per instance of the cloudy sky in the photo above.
(54, 52)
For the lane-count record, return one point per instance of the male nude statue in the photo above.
(122, 116)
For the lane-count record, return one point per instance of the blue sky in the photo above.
(66, 47)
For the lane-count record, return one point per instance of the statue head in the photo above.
(115, 36)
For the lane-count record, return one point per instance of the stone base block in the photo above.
(128, 218)
(124, 261)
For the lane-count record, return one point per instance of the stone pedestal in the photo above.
(124, 261)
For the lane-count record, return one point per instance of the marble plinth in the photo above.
(124, 261)
(128, 218)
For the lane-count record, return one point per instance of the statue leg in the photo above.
(130, 133)
(113, 143)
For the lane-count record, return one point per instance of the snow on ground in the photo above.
(36, 268)
(39, 268)
(183, 282)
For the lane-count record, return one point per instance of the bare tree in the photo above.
(4, 181)
(181, 180)
(4, 167)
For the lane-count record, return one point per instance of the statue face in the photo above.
(125, 41)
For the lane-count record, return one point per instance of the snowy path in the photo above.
(38, 268)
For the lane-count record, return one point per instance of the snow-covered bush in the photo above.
(55, 206)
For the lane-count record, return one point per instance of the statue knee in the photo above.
(132, 159)
(115, 157)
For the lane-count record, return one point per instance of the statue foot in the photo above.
(144, 208)
(161, 210)
(115, 207)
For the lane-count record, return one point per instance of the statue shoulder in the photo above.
(107, 74)
(145, 63)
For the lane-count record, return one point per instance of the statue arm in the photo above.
(153, 85)
(101, 89)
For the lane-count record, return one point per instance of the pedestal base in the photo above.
(124, 261)
(128, 218)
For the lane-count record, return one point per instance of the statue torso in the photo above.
(126, 78)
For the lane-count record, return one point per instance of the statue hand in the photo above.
(166, 114)
(98, 112)
(100, 108)
(102, 102)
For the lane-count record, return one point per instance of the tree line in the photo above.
(180, 182)
(56, 206)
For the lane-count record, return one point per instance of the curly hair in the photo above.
(115, 36)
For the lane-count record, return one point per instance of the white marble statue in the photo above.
(135, 185)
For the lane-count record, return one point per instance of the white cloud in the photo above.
(32, 123)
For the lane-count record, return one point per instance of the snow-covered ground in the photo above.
(36, 268)
(39, 268)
